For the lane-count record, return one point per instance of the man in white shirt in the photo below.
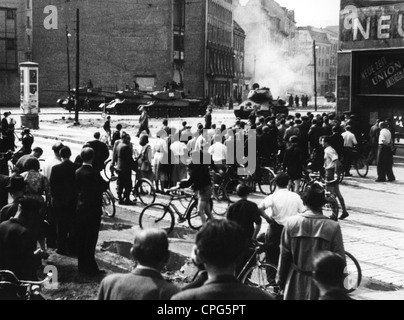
(218, 150)
(385, 155)
(349, 143)
(279, 206)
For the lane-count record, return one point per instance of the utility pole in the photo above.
(76, 118)
(68, 62)
(315, 75)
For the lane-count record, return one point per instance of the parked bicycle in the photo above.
(12, 288)
(162, 215)
(262, 274)
(143, 188)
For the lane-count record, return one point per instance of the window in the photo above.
(10, 14)
(179, 29)
(28, 4)
(28, 22)
(8, 39)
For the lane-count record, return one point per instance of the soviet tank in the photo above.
(160, 104)
(261, 99)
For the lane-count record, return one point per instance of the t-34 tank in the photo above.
(160, 104)
(262, 101)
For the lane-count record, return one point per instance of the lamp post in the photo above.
(68, 61)
(315, 74)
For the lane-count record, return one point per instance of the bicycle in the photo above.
(258, 273)
(331, 207)
(262, 274)
(162, 215)
(12, 288)
(142, 189)
(360, 163)
(263, 177)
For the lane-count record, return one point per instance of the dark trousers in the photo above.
(141, 129)
(373, 154)
(348, 157)
(66, 233)
(385, 163)
(88, 226)
(124, 183)
(273, 240)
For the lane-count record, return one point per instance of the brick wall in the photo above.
(118, 41)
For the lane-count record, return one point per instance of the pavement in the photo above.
(374, 232)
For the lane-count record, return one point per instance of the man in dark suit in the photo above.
(64, 201)
(3, 190)
(219, 246)
(125, 164)
(150, 251)
(18, 244)
(101, 152)
(90, 187)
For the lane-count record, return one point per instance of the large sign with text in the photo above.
(371, 24)
(380, 73)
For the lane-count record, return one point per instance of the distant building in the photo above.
(15, 47)
(324, 53)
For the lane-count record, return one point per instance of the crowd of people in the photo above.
(59, 204)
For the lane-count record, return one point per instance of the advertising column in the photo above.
(29, 95)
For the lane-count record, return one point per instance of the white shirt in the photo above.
(349, 139)
(178, 148)
(330, 155)
(200, 143)
(218, 151)
(282, 205)
(48, 165)
(385, 135)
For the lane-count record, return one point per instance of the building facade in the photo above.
(370, 80)
(121, 42)
(307, 37)
(15, 47)
(239, 50)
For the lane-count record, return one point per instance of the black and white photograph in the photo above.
(225, 151)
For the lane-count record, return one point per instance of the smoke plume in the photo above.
(276, 62)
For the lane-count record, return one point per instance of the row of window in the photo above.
(220, 63)
(323, 75)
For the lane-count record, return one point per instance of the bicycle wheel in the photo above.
(113, 187)
(157, 215)
(193, 217)
(265, 177)
(107, 169)
(220, 203)
(108, 204)
(362, 167)
(331, 207)
(230, 190)
(145, 191)
(353, 270)
(262, 276)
